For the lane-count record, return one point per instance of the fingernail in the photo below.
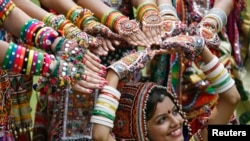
(100, 86)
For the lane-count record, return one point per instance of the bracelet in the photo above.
(12, 57)
(199, 45)
(167, 9)
(210, 64)
(112, 91)
(104, 114)
(103, 96)
(7, 56)
(101, 120)
(39, 63)
(219, 15)
(106, 103)
(20, 66)
(30, 59)
(17, 59)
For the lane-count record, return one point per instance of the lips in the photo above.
(176, 133)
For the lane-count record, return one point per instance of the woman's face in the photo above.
(166, 123)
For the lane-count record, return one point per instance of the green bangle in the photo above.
(7, 56)
(102, 113)
(55, 71)
(59, 44)
(223, 82)
(39, 63)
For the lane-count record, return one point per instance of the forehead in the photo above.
(166, 105)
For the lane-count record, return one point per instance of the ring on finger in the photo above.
(84, 77)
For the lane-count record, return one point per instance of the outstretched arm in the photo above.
(228, 98)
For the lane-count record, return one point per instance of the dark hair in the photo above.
(155, 96)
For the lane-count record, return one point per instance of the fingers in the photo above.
(109, 45)
(93, 63)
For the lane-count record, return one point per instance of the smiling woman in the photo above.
(144, 111)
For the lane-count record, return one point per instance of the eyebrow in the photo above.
(160, 115)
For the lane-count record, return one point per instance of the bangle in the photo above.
(39, 63)
(104, 114)
(167, 9)
(17, 59)
(210, 64)
(226, 87)
(25, 62)
(34, 62)
(21, 60)
(12, 57)
(101, 120)
(31, 55)
(7, 56)
(112, 91)
(103, 96)
(107, 104)
(105, 108)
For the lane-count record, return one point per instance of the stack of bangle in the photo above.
(219, 15)
(106, 106)
(6, 6)
(167, 9)
(35, 33)
(80, 16)
(218, 76)
(69, 30)
(30, 62)
(112, 18)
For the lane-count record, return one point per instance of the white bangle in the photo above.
(101, 100)
(225, 87)
(209, 65)
(215, 72)
(102, 121)
(167, 9)
(112, 90)
(114, 101)
(105, 109)
(219, 15)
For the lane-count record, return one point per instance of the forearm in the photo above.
(59, 6)
(31, 9)
(159, 2)
(102, 132)
(96, 6)
(225, 5)
(136, 3)
(4, 48)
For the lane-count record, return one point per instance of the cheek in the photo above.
(158, 130)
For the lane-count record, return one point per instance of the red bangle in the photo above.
(21, 60)
(212, 69)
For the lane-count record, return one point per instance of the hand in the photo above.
(106, 47)
(131, 63)
(152, 27)
(129, 30)
(70, 51)
(90, 82)
(172, 26)
(207, 30)
(191, 46)
(96, 28)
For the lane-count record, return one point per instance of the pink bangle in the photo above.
(46, 64)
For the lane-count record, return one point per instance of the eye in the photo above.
(162, 120)
(175, 111)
